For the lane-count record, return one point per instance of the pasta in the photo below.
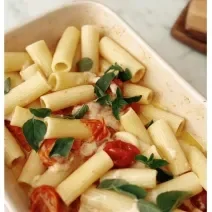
(29, 71)
(90, 45)
(164, 139)
(84, 177)
(112, 52)
(104, 65)
(15, 79)
(68, 97)
(40, 54)
(26, 92)
(65, 51)
(15, 61)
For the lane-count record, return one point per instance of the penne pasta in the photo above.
(66, 49)
(166, 142)
(25, 93)
(114, 53)
(34, 104)
(29, 71)
(152, 150)
(187, 182)
(81, 179)
(132, 124)
(145, 178)
(76, 59)
(57, 128)
(12, 150)
(40, 54)
(15, 79)
(90, 45)
(130, 90)
(15, 61)
(68, 97)
(103, 66)
(175, 122)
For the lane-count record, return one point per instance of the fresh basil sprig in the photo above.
(122, 186)
(149, 124)
(170, 200)
(85, 64)
(7, 85)
(162, 176)
(144, 205)
(34, 131)
(40, 112)
(62, 147)
(130, 100)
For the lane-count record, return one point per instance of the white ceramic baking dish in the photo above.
(171, 91)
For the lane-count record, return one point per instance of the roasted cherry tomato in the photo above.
(200, 201)
(45, 199)
(18, 134)
(122, 153)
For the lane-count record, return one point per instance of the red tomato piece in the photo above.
(75, 206)
(45, 199)
(200, 201)
(135, 106)
(18, 134)
(118, 82)
(122, 153)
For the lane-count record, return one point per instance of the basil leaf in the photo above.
(104, 82)
(133, 99)
(163, 176)
(34, 131)
(99, 93)
(104, 100)
(144, 206)
(110, 184)
(149, 124)
(142, 159)
(157, 163)
(125, 75)
(170, 200)
(40, 112)
(81, 112)
(62, 147)
(151, 159)
(7, 85)
(117, 104)
(85, 64)
(115, 67)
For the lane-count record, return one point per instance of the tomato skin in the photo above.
(19, 135)
(135, 106)
(200, 201)
(45, 199)
(118, 82)
(122, 153)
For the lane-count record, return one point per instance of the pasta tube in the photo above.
(12, 150)
(25, 93)
(65, 51)
(76, 59)
(81, 179)
(29, 71)
(34, 104)
(32, 168)
(130, 90)
(62, 128)
(145, 178)
(113, 53)
(90, 45)
(68, 97)
(104, 65)
(106, 201)
(165, 140)
(15, 79)
(63, 80)
(152, 150)
(132, 124)
(15, 61)
(40, 54)
(175, 122)
(187, 182)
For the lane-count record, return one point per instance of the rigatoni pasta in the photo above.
(14, 77)
(29, 71)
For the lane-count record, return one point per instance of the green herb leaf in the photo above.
(40, 112)
(117, 104)
(142, 159)
(85, 64)
(133, 99)
(149, 124)
(157, 163)
(104, 82)
(115, 67)
(123, 187)
(163, 176)
(81, 112)
(125, 75)
(62, 147)
(168, 201)
(144, 206)
(7, 85)
(34, 131)
(104, 100)
(99, 93)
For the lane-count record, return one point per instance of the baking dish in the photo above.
(171, 91)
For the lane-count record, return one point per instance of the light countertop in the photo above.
(151, 19)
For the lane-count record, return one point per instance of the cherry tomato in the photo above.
(200, 201)
(122, 153)
(135, 106)
(45, 199)
(112, 131)
(18, 134)
(118, 82)
(98, 128)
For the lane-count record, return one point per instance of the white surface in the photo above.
(151, 20)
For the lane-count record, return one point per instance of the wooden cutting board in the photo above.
(179, 32)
